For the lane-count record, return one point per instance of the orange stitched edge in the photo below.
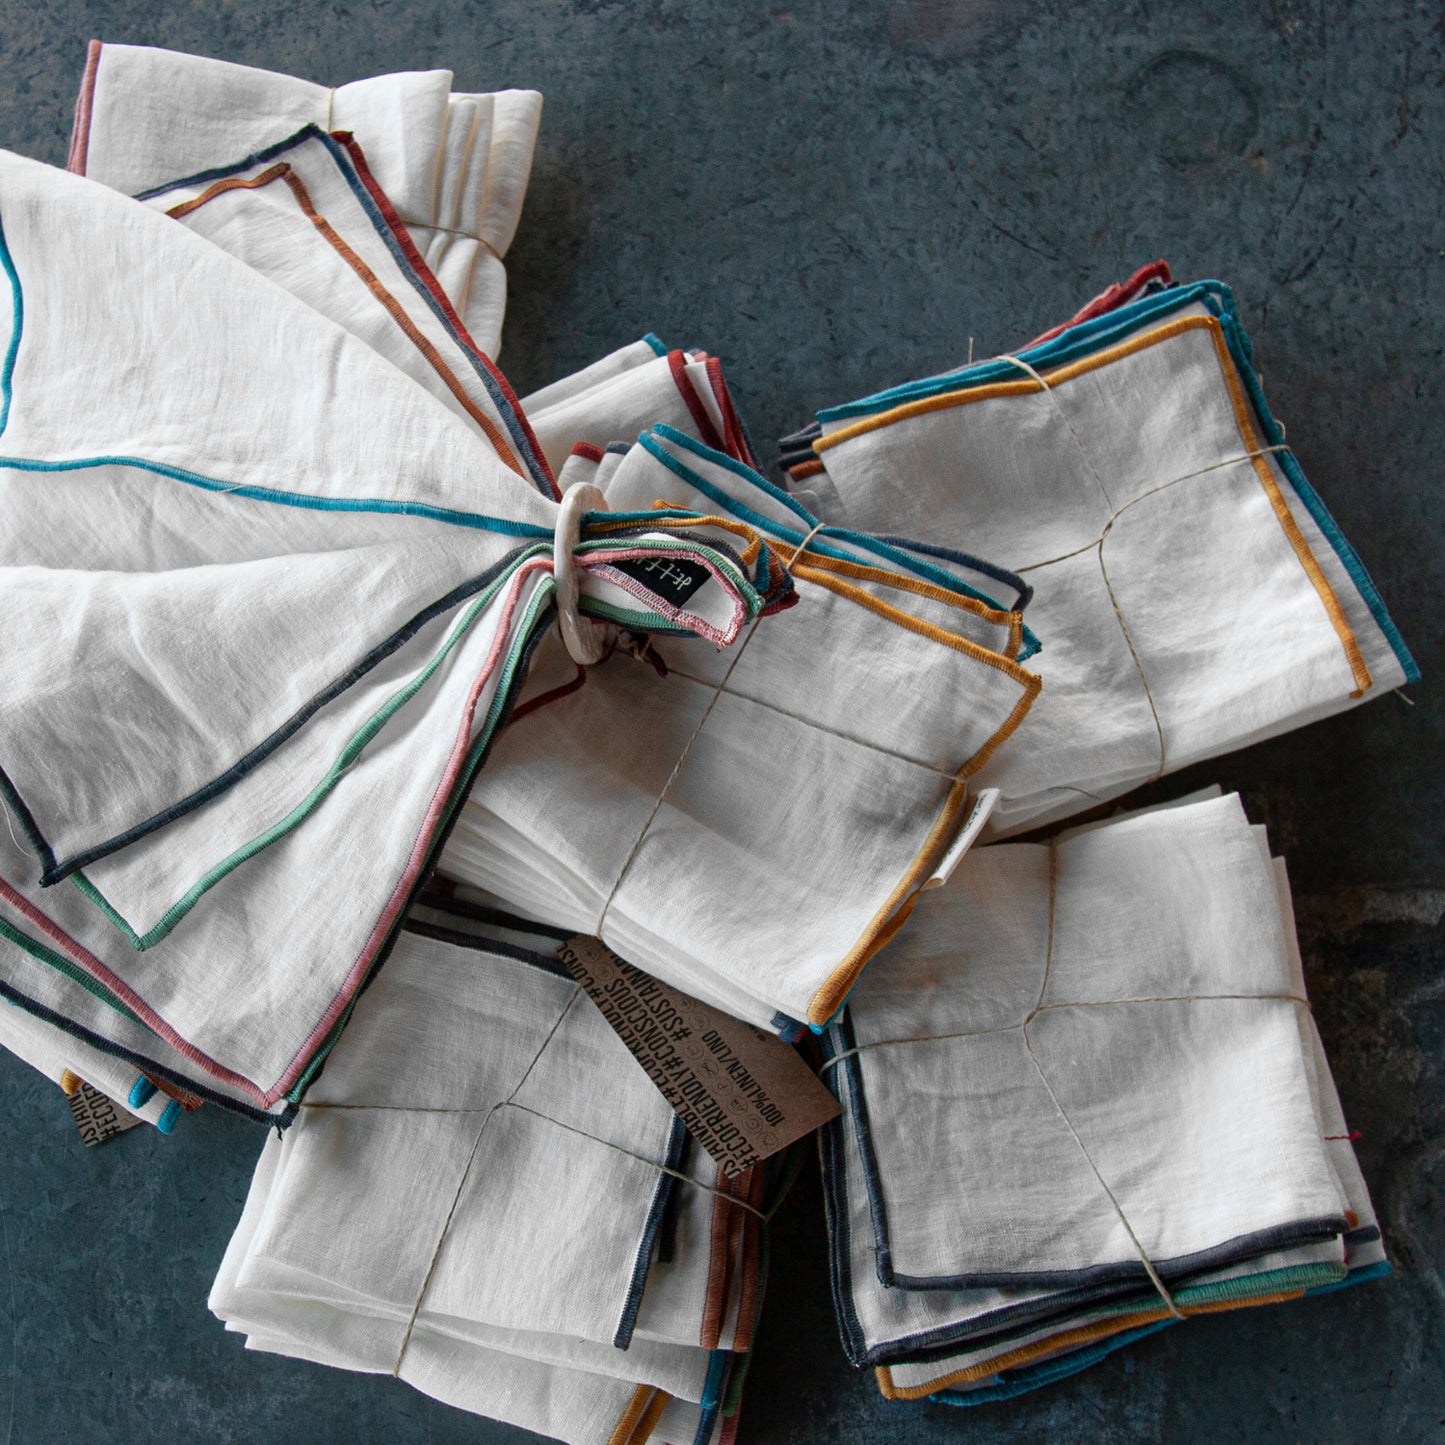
(749, 1300)
(69, 1083)
(1358, 670)
(1023, 387)
(881, 928)
(996, 660)
(282, 171)
(637, 1406)
(825, 1001)
(719, 1266)
(650, 1416)
(919, 588)
(1066, 1339)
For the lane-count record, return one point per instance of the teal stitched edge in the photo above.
(459, 793)
(378, 720)
(17, 326)
(898, 556)
(355, 746)
(71, 970)
(1089, 336)
(937, 575)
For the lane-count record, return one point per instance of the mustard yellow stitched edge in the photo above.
(726, 524)
(1084, 1335)
(996, 660)
(919, 588)
(648, 1423)
(881, 927)
(830, 994)
(637, 1406)
(1023, 387)
(1359, 672)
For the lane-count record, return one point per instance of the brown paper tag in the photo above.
(743, 1094)
(97, 1116)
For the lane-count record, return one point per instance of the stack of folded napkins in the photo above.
(1084, 1098)
(485, 1195)
(304, 546)
(1193, 593)
(300, 582)
(799, 791)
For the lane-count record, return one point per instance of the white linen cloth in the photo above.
(1083, 1090)
(797, 794)
(1193, 593)
(471, 1197)
(455, 166)
(264, 591)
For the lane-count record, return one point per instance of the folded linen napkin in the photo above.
(485, 1195)
(1084, 1096)
(799, 792)
(1195, 594)
(456, 166)
(261, 585)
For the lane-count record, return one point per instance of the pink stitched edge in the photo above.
(603, 568)
(93, 966)
(80, 131)
(419, 850)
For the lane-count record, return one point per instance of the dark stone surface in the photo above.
(833, 198)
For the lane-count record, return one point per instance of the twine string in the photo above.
(762, 1215)
(1108, 584)
(1041, 1007)
(466, 1174)
(682, 757)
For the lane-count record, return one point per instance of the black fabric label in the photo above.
(676, 580)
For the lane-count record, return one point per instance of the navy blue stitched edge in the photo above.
(56, 871)
(23, 1001)
(667, 1186)
(312, 131)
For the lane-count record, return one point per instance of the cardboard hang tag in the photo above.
(743, 1094)
(97, 1116)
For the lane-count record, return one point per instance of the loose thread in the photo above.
(482, 241)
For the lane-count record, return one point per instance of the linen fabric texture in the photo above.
(485, 1195)
(279, 594)
(1106, 1044)
(1194, 593)
(798, 792)
(455, 165)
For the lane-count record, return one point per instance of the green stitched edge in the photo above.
(72, 971)
(348, 755)
(523, 636)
